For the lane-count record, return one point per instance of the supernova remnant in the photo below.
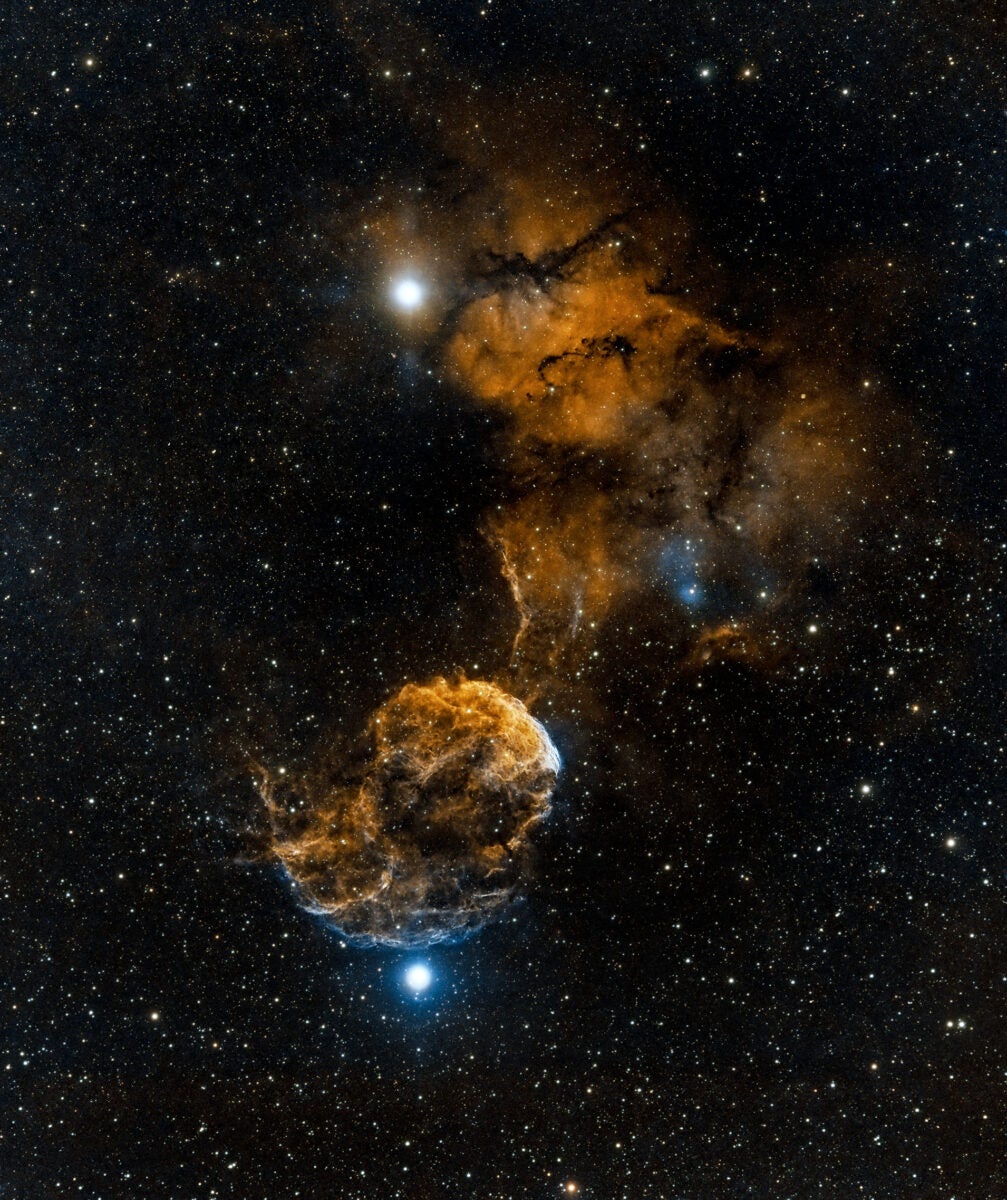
(433, 839)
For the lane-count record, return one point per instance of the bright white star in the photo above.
(407, 293)
(419, 977)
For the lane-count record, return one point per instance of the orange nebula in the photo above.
(561, 570)
(434, 837)
(736, 642)
(633, 412)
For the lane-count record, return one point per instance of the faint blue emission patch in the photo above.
(678, 567)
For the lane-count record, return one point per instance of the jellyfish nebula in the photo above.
(433, 839)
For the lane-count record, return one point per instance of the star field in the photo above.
(648, 363)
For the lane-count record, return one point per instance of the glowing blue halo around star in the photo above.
(407, 293)
(419, 977)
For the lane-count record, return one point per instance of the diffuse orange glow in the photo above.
(739, 642)
(562, 573)
(633, 413)
(582, 360)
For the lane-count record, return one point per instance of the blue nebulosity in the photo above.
(727, 586)
(679, 570)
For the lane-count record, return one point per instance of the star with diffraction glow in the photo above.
(407, 293)
(418, 977)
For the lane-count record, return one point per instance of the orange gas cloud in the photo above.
(633, 413)
(734, 643)
(432, 840)
(583, 355)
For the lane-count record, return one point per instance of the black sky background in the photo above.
(236, 513)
